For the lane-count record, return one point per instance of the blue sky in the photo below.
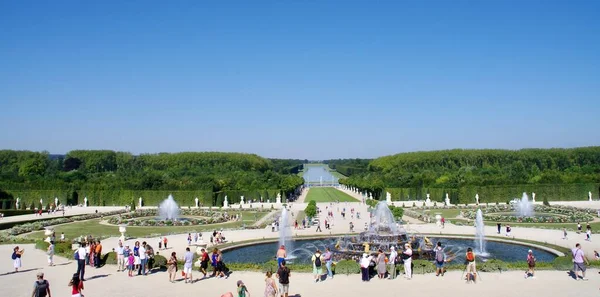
(298, 79)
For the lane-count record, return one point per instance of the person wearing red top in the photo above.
(76, 286)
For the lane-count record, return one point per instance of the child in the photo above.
(130, 261)
(77, 285)
(241, 289)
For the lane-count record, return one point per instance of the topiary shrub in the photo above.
(347, 267)
(492, 265)
(110, 258)
(159, 262)
(423, 267)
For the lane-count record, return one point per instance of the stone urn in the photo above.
(48, 232)
(122, 230)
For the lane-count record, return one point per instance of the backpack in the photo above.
(439, 255)
(76, 255)
(530, 260)
(14, 256)
(41, 289)
(470, 257)
(317, 261)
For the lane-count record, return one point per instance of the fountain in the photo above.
(524, 207)
(285, 231)
(480, 235)
(168, 209)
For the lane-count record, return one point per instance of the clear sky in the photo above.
(299, 79)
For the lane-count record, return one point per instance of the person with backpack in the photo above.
(16, 257)
(440, 259)
(530, 264)
(41, 287)
(76, 286)
(471, 268)
(283, 274)
(317, 265)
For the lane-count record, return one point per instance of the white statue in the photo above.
(278, 198)
(225, 202)
(18, 202)
(196, 200)
(427, 200)
(388, 198)
(533, 197)
(85, 201)
(140, 202)
(477, 198)
(261, 199)
(242, 200)
(590, 195)
(55, 201)
(41, 203)
(447, 199)
(370, 196)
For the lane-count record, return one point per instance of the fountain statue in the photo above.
(447, 200)
(524, 207)
(197, 201)
(427, 200)
(477, 198)
(85, 201)
(55, 202)
(17, 203)
(480, 234)
(225, 202)
(242, 200)
(590, 195)
(261, 199)
(168, 209)
(370, 196)
(278, 201)
(533, 197)
(140, 202)
(388, 198)
(285, 230)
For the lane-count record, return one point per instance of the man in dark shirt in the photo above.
(283, 274)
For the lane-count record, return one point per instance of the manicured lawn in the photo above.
(94, 228)
(328, 195)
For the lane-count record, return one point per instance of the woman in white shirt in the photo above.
(407, 254)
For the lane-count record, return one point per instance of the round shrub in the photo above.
(492, 265)
(110, 258)
(159, 262)
(346, 267)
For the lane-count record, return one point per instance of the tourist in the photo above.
(380, 263)
(318, 227)
(136, 254)
(471, 268)
(351, 227)
(189, 239)
(143, 259)
(443, 222)
(317, 265)
(296, 224)
(565, 233)
(16, 257)
(270, 286)
(120, 257)
(62, 237)
(407, 257)
(530, 264)
(508, 229)
(281, 255)
(365, 261)
(440, 259)
(50, 253)
(81, 256)
(578, 261)
(304, 223)
(392, 263)
(578, 228)
(165, 242)
(41, 287)
(195, 237)
(172, 267)
(204, 259)
(130, 264)
(241, 289)
(98, 254)
(499, 225)
(328, 258)
(160, 243)
(221, 268)
(213, 261)
(273, 227)
(188, 259)
(76, 285)
(596, 255)
(91, 253)
(284, 274)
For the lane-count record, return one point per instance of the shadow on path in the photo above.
(20, 271)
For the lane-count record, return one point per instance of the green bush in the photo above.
(346, 267)
(310, 210)
(423, 267)
(159, 262)
(110, 258)
(492, 265)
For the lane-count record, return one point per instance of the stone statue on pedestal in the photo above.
(590, 195)
(427, 200)
(85, 201)
(447, 199)
(388, 198)
(196, 200)
(278, 201)
(140, 202)
(532, 197)
(55, 202)
(477, 198)
(18, 203)
(242, 200)
(225, 202)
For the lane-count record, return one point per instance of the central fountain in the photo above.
(285, 231)
(168, 209)
(480, 234)
(524, 207)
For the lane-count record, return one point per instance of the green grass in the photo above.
(93, 227)
(328, 195)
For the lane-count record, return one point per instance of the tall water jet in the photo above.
(524, 207)
(168, 209)
(285, 231)
(383, 219)
(480, 234)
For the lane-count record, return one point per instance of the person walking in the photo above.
(578, 228)
(284, 274)
(499, 225)
(188, 259)
(328, 258)
(143, 259)
(530, 264)
(407, 256)
(281, 255)
(41, 287)
(221, 268)
(319, 227)
(50, 253)
(508, 229)
(365, 261)
(440, 259)
(392, 263)
(76, 285)
(120, 257)
(578, 261)
(189, 239)
(588, 234)
(565, 233)
(213, 261)
(172, 264)
(241, 289)
(81, 255)
(317, 265)
(270, 286)
(204, 259)
(471, 268)
(98, 254)
(165, 242)
(381, 269)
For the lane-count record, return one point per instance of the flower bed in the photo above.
(562, 214)
(146, 217)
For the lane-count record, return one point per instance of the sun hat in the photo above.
(530, 251)
(240, 283)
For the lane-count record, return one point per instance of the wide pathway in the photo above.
(76, 210)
